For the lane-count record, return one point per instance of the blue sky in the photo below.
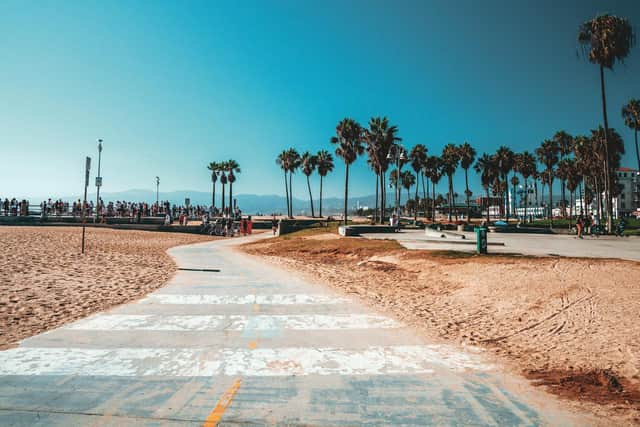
(171, 86)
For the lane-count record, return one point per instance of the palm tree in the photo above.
(450, 158)
(548, 155)
(349, 138)
(232, 168)
(380, 137)
(433, 171)
(467, 157)
(417, 157)
(223, 181)
(514, 183)
(293, 163)
(504, 163)
(308, 163)
(563, 171)
(213, 167)
(526, 165)
(631, 115)
(565, 144)
(607, 39)
(407, 180)
(324, 165)
(486, 167)
(282, 161)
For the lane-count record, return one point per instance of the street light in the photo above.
(397, 152)
(98, 179)
(158, 194)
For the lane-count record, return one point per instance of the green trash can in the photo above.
(481, 240)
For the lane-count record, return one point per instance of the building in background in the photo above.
(628, 201)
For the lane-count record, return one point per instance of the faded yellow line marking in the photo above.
(225, 401)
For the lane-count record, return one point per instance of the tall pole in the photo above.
(87, 168)
(98, 180)
(158, 194)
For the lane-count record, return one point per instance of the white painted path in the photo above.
(250, 345)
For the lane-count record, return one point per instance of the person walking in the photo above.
(579, 225)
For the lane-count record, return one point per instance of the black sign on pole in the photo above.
(87, 168)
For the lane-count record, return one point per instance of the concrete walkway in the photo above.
(523, 243)
(250, 345)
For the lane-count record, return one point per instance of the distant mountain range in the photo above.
(249, 203)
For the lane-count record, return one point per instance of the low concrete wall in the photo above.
(286, 226)
(356, 230)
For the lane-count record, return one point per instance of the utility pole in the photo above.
(87, 168)
(158, 193)
(98, 180)
(397, 152)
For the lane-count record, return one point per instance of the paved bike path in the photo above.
(251, 345)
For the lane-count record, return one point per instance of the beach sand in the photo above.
(572, 325)
(46, 282)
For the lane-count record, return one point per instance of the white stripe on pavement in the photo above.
(141, 322)
(276, 299)
(201, 362)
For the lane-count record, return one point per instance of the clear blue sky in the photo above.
(171, 86)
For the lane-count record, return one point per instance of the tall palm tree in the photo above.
(467, 157)
(380, 137)
(349, 140)
(408, 180)
(486, 167)
(606, 39)
(232, 168)
(324, 165)
(433, 171)
(417, 157)
(223, 181)
(293, 163)
(565, 145)
(631, 115)
(213, 167)
(450, 158)
(504, 163)
(308, 164)
(527, 167)
(563, 172)
(548, 155)
(282, 161)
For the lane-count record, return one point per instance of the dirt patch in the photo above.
(534, 314)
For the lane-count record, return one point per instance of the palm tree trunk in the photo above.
(606, 153)
(426, 199)
(213, 198)
(433, 200)
(514, 202)
(223, 199)
(231, 198)
(313, 215)
(506, 197)
(488, 204)
(375, 212)
(450, 194)
(564, 195)
(346, 192)
(466, 193)
(526, 199)
(320, 196)
(637, 151)
(290, 194)
(286, 189)
(550, 200)
(570, 204)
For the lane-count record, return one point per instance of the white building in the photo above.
(629, 199)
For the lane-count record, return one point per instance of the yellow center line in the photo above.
(225, 401)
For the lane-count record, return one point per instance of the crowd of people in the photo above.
(15, 207)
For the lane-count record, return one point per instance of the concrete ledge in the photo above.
(430, 232)
(356, 230)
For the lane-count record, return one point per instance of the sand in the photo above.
(571, 325)
(45, 282)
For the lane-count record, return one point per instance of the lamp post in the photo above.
(98, 180)
(158, 194)
(396, 152)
